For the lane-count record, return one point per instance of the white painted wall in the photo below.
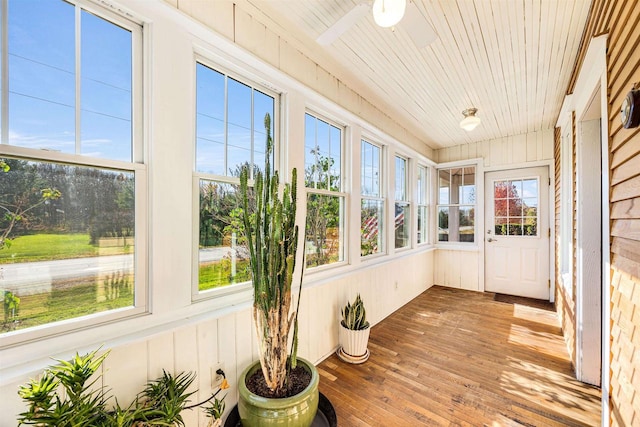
(179, 335)
(461, 267)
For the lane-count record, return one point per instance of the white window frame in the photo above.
(137, 166)
(476, 206)
(407, 200)
(382, 197)
(422, 201)
(237, 289)
(344, 195)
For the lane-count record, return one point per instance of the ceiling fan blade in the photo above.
(417, 26)
(343, 24)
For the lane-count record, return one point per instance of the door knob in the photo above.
(491, 240)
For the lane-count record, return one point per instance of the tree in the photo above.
(323, 212)
(16, 207)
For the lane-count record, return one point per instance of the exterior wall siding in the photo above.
(619, 19)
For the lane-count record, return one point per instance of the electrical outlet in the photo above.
(217, 375)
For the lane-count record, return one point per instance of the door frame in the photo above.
(591, 86)
(551, 212)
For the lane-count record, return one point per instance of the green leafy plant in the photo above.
(354, 316)
(67, 395)
(272, 238)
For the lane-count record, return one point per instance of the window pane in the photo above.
(444, 183)
(324, 230)
(335, 154)
(239, 122)
(443, 224)
(402, 222)
(456, 224)
(422, 185)
(210, 133)
(401, 179)
(262, 105)
(423, 224)
(105, 89)
(370, 169)
(310, 150)
(223, 256)
(468, 187)
(371, 227)
(323, 158)
(70, 250)
(42, 75)
(467, 221)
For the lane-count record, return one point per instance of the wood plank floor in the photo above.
(458, 358)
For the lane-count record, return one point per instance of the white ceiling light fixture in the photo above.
(388, 13)
(470, 121)
(410, 18)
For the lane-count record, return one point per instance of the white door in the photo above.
(517, 232)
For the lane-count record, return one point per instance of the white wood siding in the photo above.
(502, 152)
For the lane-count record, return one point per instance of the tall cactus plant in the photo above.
(272, 238)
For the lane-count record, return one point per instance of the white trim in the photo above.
(56, 330)
(591, 87)
(551, 204)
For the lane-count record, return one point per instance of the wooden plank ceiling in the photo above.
(511, 59)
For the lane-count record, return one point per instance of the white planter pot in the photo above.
(354, 343)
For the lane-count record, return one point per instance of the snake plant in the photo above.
(354, 316)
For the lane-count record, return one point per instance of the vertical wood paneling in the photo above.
(125, 370)
(511, 150)
(458, 269)
(160, 349)
(186, 360)
(207, 339)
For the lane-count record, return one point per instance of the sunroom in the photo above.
(472, 171)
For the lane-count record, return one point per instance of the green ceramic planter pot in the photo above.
(295, 411)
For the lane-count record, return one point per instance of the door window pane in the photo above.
(516, 207)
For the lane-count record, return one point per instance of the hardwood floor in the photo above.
(458, 358)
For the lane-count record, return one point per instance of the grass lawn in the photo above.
(216, 274)
(69, 300)
(43, 247)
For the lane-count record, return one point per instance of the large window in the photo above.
(372, 200)
(456, 204)
(325, 196)
(231, 135)
(70, 244)
(402, 207)
(422, 202)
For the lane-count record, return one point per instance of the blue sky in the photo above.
(42, 80)
(210, 132)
